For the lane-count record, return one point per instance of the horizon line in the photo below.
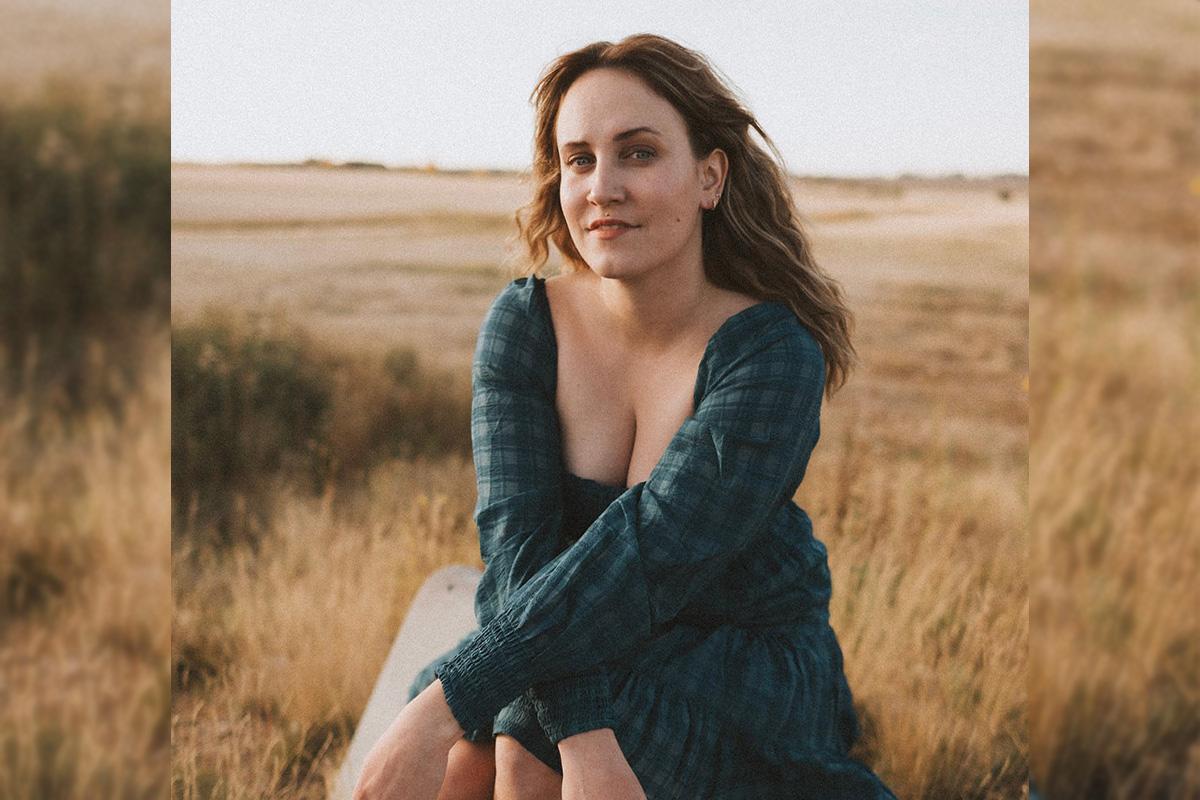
(433, 168)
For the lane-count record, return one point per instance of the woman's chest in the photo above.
(618, 410)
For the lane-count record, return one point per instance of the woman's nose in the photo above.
(606, 186)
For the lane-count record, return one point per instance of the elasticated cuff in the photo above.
(485, 676)
(574, 705)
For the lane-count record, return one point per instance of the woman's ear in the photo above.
(713, 169)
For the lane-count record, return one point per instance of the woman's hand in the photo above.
(594, 768)
(409, 760)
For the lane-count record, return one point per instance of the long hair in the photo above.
(753, 241)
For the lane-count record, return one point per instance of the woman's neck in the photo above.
(651, 312)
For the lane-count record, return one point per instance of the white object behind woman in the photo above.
(440, 615)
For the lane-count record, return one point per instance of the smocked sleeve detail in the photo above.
(726, 473)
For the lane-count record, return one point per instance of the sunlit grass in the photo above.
(84, 613)
(1115, 470)
(275, 652)
(85, 693)
(277, 645)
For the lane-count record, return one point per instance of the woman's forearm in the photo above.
(594, 768)
(409, 760)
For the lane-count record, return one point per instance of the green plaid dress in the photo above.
(689, 613)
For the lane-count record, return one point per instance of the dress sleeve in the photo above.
(725, 474)
(516, 445)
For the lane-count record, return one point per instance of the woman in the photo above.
(654, 611)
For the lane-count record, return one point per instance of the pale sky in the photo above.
(848, 88)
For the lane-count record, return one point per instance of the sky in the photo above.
(845, 89)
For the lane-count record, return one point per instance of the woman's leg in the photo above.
(521, 776)
(470, 772)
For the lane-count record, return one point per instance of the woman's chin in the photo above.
(614, 269)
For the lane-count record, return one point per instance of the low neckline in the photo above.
(732, 321)
(612, 487)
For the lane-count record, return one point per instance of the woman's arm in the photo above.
(515, 439)
(721, 480)
(517, 450)
(594, 768)
(409, 760)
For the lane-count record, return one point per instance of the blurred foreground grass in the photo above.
(85, 692)
(84, 446)
(85, 192)
(1115, 466)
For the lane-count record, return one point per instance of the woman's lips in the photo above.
(609, 228)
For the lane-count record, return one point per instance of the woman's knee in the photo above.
(520, 775)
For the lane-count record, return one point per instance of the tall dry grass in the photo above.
(1116, 476)
(929, 570)
(85, 692)
(84, 423)
(277, 646)
(1115, 466)
(85, 190)
(275, 650)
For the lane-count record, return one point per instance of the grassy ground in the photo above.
(85, 693)
(919, 486)
(1115, 316)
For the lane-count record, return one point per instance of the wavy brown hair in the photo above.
(753, 240)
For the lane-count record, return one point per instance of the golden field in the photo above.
(118, 47)
(919, 487)
(85, 688)
(85, 584)
(1115, 351)
(977, 656)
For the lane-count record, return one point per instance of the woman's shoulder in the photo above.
(516, 330)
(764, 343)
(520, 307)
(521, 296)
(760, 328)
(569, 292)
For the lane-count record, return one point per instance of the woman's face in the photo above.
(631, 190)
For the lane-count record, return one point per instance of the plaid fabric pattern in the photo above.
(691, 615)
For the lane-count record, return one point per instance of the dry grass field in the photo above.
(85, 689)
(85, 692)
(1115, 349)
(372, 257)
(977, 655)
(919, 487)
(120, 46)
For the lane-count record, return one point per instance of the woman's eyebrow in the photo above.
(620, 137)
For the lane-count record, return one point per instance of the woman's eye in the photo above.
(579, 161)
(642, 155)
